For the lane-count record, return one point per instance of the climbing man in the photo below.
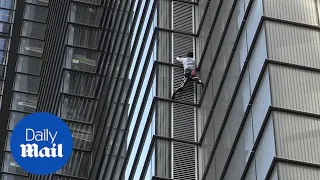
(189, 66)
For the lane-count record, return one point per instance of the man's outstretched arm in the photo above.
(180, 59)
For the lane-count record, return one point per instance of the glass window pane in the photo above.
(79, 83)
(9, 4)
(84, 162)
(6, 15)
(8, 141)
(11, 166)
(40, 2)
(3, 57)
(14, 118)
(85, 14)
(83, 36)
(78, 109)
(2, 72)
(24, 102)
(33, 29)
(4, 43)
(36, 13)
(31, 47)
(80, 59)
(82, 135)
(1, 90)
(30, 65)
(26, 83)
(5, 28)
(12, 177)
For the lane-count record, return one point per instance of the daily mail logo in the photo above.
(41, 143)
(32, 150)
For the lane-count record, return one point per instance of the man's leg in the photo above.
(197, 80)
(180, 88)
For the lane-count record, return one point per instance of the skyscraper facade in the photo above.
(108, 69)
(23, 27)
(256, 118)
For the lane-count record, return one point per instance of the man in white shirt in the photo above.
(189, 66)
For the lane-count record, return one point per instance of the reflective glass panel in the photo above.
(11, 166)
(14, 118)
(8, 4)
(5, 28)
(4, 43)
(26, 64)
(3, 57)
(6, 15)
(24, 102)
(80, 59)
(36, 13)
(2, 72)
(26, 83)
(85, 14)
(83, 36)
(33, 29)
(31, 47)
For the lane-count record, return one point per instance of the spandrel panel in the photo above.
(79, 83)
(82, 135)
(31, 47)
(6, 15)
(81, 59)
(76, 108)
(36, 13)
(303, 148)
(83, 36)
(85, 14)
(8, 4)
(84, 162)
(11, 166)
(4, 57)
(30, 65)
(26, 83)
(14, 118)
(5, 28)
(4, 43)
(33, 29)
(24, 102)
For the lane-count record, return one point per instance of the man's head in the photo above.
(190, 54)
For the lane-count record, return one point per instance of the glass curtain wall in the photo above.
(27, 71)
(78, 101)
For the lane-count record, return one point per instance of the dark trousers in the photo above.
(187, 77)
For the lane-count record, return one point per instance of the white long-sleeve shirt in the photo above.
(188, 63)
